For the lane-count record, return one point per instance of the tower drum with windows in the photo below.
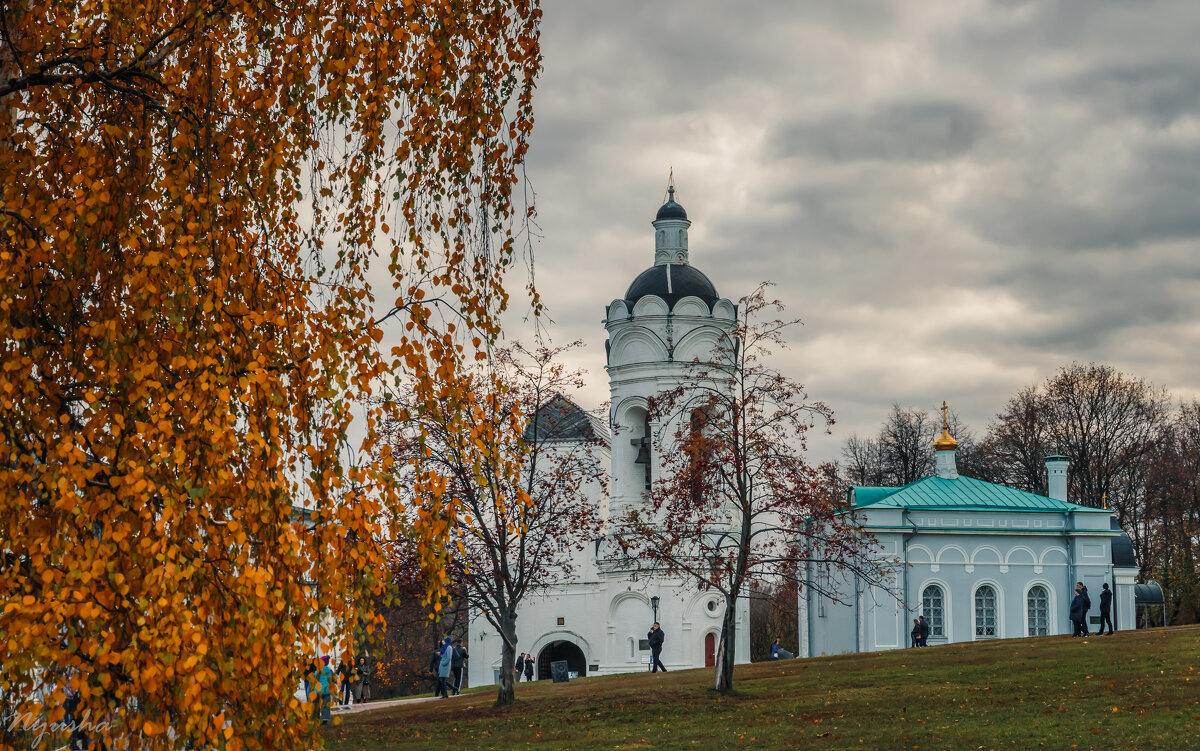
(670, 318)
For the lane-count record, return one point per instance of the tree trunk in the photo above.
(505, 691)
(723, 667)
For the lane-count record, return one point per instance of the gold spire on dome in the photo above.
(945, 441)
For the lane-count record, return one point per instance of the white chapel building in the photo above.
(670, 316)
(979, 560)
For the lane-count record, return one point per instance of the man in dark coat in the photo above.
(434, 662)
(655, 637)
(1105, 607)
(345, 674)
(456, 666)
(519, 668)
(924, 631)
(1087, 605)
(1078, 610)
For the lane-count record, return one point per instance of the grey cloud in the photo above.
(904, 131)
(1034, 166)
(1160, 92)
(1155, 198)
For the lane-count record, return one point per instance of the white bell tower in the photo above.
(670, 317)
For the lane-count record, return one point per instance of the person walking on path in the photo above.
(924, 631)
(444, 662)
(456, 665)
(344, 672)
(325, 679)
(361, 688)
(310, 678)
(656, 638)
(1105, 607)
(435, 661)
(916, 632)
(528, 667)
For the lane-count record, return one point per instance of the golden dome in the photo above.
(945, 442)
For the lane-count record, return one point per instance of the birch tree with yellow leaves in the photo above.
(193, 197)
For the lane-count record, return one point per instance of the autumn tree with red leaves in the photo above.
(737, 502)
(522, 465)
(193, 194)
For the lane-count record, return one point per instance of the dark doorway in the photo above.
(710, 650)
(560, 650)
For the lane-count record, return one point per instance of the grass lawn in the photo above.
(1134, 690)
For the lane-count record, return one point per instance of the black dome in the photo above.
(1122, 548)
(671, 210)
(685, 281)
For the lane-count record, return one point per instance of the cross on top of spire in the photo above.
(945, 441)
(671, 209)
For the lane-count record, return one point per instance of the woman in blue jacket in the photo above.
(444, 664)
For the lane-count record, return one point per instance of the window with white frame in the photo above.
(1038, 607)
(933, 607)
(985, 612)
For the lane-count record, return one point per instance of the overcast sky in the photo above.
(958, 197)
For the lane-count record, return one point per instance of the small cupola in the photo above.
(670, 231)
(944, 450)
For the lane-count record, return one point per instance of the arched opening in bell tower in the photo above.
(643, 454)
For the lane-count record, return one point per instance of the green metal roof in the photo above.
(964, 493)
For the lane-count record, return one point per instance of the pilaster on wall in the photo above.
(802, 626)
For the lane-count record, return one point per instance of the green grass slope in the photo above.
(1134, 690)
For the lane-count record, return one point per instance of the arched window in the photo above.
(1038, 611)
(699, 451)
(985, 612)
(933, 607)
(647, 459)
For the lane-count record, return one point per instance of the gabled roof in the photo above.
(961, 493)
(560, 419)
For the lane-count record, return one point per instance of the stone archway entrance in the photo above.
(561, 650)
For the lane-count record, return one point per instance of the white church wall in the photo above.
(608, 622)
(960, 555)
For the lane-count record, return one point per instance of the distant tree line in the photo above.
(1132, 448)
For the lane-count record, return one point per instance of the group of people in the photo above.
(524, 666)
(351, 680)
(920, 632)
(447, 663)
(1081, 604)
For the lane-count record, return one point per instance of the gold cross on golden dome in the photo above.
(945, 441)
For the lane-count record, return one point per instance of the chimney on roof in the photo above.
(1056, 476)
